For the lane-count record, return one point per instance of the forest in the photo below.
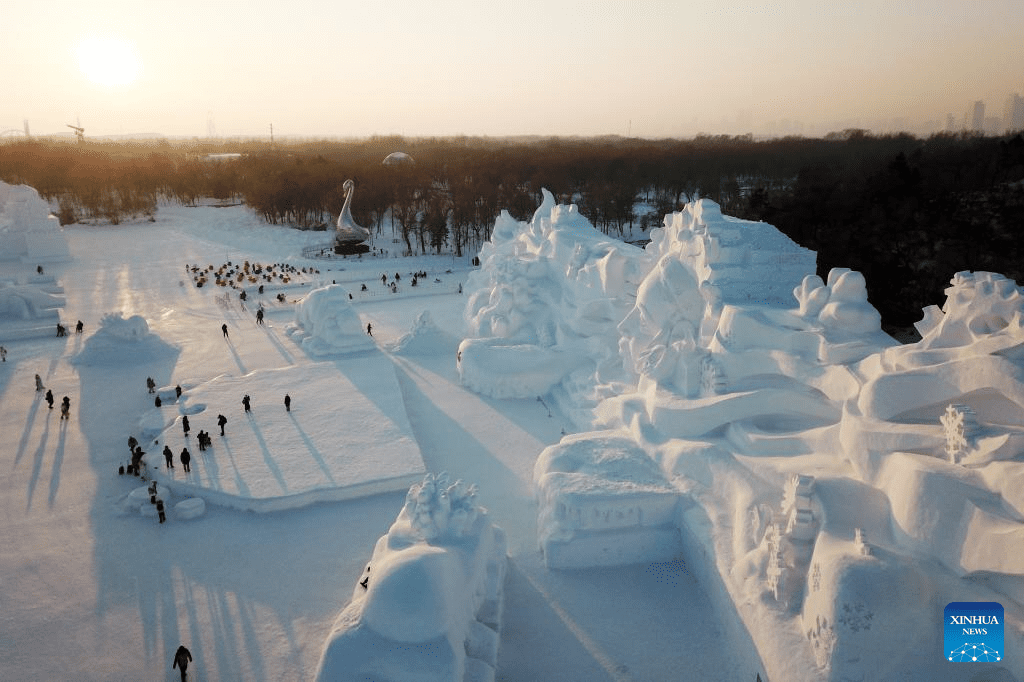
(907, 212)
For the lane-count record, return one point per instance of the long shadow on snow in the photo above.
(446, 446)
(226, 569)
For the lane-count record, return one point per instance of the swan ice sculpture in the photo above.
(349, 237)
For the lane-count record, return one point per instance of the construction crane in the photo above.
(79, 131)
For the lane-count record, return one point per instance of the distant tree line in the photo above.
(907, 212)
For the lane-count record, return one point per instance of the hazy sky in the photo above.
(648, 68)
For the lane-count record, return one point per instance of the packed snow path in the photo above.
(90, 593)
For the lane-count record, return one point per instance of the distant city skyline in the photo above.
(650, 68)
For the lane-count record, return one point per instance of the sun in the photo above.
(108, 61)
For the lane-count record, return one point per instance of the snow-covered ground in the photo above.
(89, 591)
(703, 461)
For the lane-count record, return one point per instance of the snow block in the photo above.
(191, 508)
(603, 502)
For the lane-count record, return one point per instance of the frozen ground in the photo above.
(88, 592)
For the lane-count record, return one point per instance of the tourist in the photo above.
(49, 398)
(39, 383)
(224, 328)
(185, 458)
(221, 421)
(185, 425)
(245, 403)
(168, 457)
(79, 327)
(150, 384)
(287, 403)
(182, 657)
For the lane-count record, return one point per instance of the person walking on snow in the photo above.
(259, 316)
(182, 657)
(369, 329)
(49, 398)
(3, 354)
(184, 425)
(185, 459)
(245, 402)
(221, 421)
(150, 384)
(65, 408)
(287, 403)
(224, 328)
(168, 457)
(39, 383)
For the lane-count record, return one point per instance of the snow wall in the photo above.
(730, 401)
(27, 230)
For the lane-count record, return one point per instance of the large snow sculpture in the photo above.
(545, 302)
(27, 230)
(739, 366)
(326, 323)
(428, 606)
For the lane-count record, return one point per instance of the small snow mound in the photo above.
(121, 341)
(116, 325)
(425, 338)
(192, 508)
(327, 324)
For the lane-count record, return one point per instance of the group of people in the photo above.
(185, 456)
(65, 404)
(62, 330)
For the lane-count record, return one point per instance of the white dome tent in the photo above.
(398, 159)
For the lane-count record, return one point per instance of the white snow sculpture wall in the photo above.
(27, 230)
(428, 606)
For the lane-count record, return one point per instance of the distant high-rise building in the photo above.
(950, 123)
(1013, 113)
(974, 119)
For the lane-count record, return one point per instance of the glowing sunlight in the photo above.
(108, 61)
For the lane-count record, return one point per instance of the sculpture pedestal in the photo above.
(350, 248)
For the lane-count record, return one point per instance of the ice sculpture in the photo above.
(349, 237)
